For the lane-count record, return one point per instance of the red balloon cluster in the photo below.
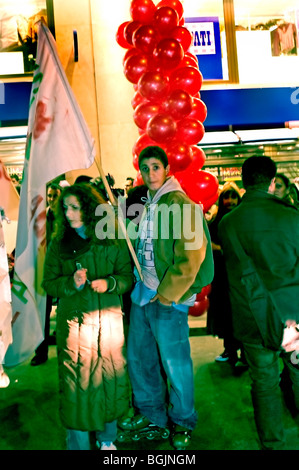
(202, 302)
(167, 108)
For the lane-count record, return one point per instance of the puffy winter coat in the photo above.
(92, 369)
(268, 230)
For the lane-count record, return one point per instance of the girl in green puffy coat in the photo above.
(88, 268)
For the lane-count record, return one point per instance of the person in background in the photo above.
(136, 199)
(16, 182)
(174, 266)
(132, 208)
(264, 231)
(128, 184)
(41, 352)
(99, 185)
(282, 187)
(294, 194)
(83, 179)
(88, 270)
(219, 317)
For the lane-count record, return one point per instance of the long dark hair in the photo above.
(89, 200)
(224, 194)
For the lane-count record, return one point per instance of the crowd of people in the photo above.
(247, 251)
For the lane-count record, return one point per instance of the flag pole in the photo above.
(120, 219)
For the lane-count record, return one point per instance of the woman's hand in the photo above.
(100, 285)
(80, 277)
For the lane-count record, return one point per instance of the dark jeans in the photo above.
(264, 370)
(42, 349)
(158, 345)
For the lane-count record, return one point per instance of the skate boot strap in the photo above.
(136, 422)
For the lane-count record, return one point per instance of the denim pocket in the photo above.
(163, 311)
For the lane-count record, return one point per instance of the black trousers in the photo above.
(42, 349)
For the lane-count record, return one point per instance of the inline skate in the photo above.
(140, 427)
(180, 437)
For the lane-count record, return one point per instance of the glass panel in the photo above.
(267, 41)
(205, 19)
(18, 34)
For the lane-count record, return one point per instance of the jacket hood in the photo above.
(170, 185)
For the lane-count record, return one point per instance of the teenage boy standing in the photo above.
(174, 251)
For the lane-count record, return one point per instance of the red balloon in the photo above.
(188, 62)
(179, 156)
(137, 100)
(130, 53)
(120, 38)
(190, 131)
(142, 142)
(165, 19)
(153, 86)
(198, 159)
(185, 62)
(138, 181)
(129, 31)
(199, 110)
(145, 38)
(209, 202)
(205, 291)
(183, 36)
(200, 186)
(200, 307)
(186, 78)
(168, 53)
(191, 56)
(144, 112)
(142, 10)
(178, 104)
(175, 4)
(161, 127)
(135, 67)
(135, 162)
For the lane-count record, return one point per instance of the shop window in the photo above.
(18, 34)
(267, 41)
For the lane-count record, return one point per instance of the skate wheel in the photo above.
(166, 434)
(136, 437)
(121, 438)
(150, 436)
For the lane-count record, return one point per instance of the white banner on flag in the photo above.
(58, 141)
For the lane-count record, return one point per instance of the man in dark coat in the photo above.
(260, 241)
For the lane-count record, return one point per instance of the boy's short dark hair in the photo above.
(153, 151)
(258, 172)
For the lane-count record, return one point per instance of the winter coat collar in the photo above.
(258, 194)
(171, 184)
(73, 243)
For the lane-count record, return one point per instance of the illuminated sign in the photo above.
(206, 46)
(203, 38)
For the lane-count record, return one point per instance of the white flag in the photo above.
(58, 141)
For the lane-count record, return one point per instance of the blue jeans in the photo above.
(159, 349)
(79, 440)
(264, 370)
